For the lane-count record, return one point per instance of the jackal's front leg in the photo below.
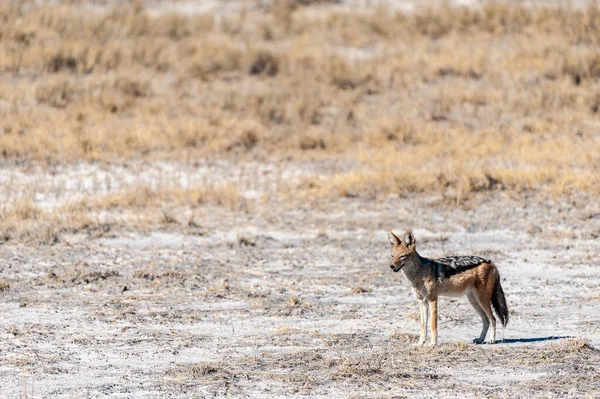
(433, 315)
(423, 319)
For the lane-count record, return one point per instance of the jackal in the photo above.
(475, 277)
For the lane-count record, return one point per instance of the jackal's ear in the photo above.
(393, 239)
(409, 239)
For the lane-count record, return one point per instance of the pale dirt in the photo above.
(292, 299)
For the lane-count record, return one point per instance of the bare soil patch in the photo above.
(279, 299)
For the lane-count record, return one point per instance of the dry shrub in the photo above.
(224, 194)
(146, 197)
(295, 302)
(4, 285)
(348, 75)
(581, 65)
(134, 87)
(199, 371)
(360, 290)
(246, 136)
(216, 56)
(177, 26)
(453, 94)
(264, 63)
(312, 139)
(313, 2)
(26, 222)
(57, 93)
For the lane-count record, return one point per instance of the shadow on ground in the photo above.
(530, 340)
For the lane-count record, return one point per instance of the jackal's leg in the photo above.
(433, 307)
(424, 319)
(486, 305)
(484, 319)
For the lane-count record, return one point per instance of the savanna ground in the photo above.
(195, 196)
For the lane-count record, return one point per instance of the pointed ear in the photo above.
(409, 239)
(393, 239)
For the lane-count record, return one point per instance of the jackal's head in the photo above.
(402, 250)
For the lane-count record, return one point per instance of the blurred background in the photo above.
(336, 98)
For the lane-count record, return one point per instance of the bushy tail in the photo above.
(499, 303)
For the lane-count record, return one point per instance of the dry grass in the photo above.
(145, 197)
(295, 302)
(200, 370)
(195, 372)
(455, 100)
(4, 285)
(26, 221)
(397, 365)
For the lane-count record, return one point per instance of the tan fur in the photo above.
(431, 279)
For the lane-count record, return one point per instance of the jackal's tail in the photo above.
(499, 302)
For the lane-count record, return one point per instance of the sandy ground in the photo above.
(294, 300)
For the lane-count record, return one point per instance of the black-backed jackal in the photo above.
(475, 277)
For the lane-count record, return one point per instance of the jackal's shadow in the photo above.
(530, 340)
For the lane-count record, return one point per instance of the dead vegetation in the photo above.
(393, 366)
(201, 370)
(448, 99)
(225, 195)
(26, 221)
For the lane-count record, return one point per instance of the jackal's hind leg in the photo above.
(487, 308)
(484, 319)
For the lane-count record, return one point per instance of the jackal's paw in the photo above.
(490, 341)
(478, 341)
